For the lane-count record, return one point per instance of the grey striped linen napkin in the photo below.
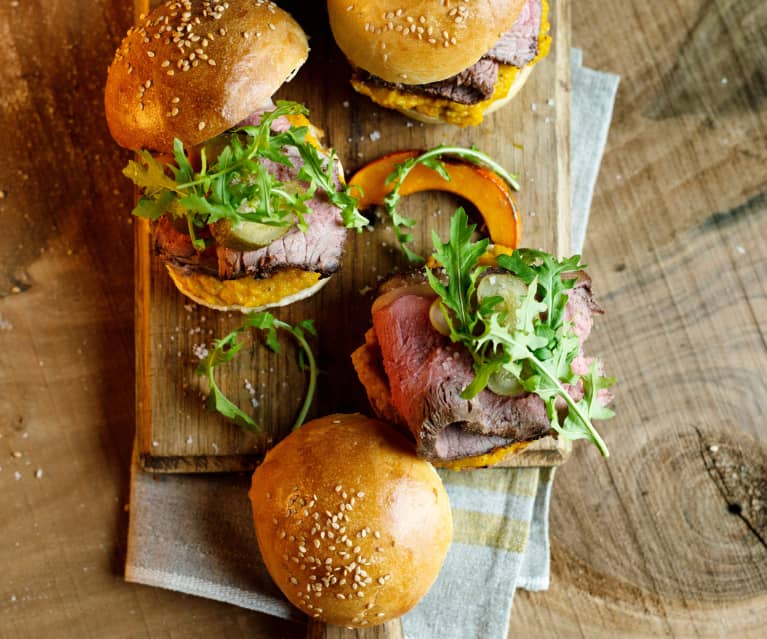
(194, 534)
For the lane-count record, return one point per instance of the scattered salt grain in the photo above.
(740, 250)
(17, 475)
(533, 107)
(345, 104)
(375, 135)
(189, 440)
(252, 392)
(713, 448)
(550, 102)
(155, 443)
(5, 325)
(39, 473)
(724, 80)
(200, 351)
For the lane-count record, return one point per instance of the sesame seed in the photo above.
(340, 596)
(151, 54)
(200, 127)
(294, 581)
(381, 581)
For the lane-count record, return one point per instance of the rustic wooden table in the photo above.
(667, 538)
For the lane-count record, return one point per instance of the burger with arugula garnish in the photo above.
(249, 210)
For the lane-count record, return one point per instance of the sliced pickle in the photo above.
(246, 236)
(507, 286)
(504, 383)
(437, 317)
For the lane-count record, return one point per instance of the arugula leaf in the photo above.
(459, 257)
(535, 345)
(148, 174)
(237, 186)
(432, 159)
(225, 349)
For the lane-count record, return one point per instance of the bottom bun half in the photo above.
(247, 294)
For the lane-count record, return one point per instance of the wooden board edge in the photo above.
(142, 318)
(199, 464)
(562, 42)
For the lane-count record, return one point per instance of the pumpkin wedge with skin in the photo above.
(480, 186)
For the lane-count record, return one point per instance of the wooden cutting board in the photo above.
(530, 137)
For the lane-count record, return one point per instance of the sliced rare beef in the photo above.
(519, 45)
(470, 86)
(318, 249)
(426, 374)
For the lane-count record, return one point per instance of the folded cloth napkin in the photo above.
(194, 534)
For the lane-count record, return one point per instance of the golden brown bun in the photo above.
(212, 77)
(442, 39)
(352, 526)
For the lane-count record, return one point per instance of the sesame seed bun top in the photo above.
(352, 526)
(422, 41)
(192, 69)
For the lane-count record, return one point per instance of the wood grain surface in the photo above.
(665, 539)
(175, 431)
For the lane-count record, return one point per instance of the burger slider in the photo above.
(472, 390)
(249, 210)
(441, 62)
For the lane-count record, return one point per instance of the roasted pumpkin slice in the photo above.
(480, 186)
